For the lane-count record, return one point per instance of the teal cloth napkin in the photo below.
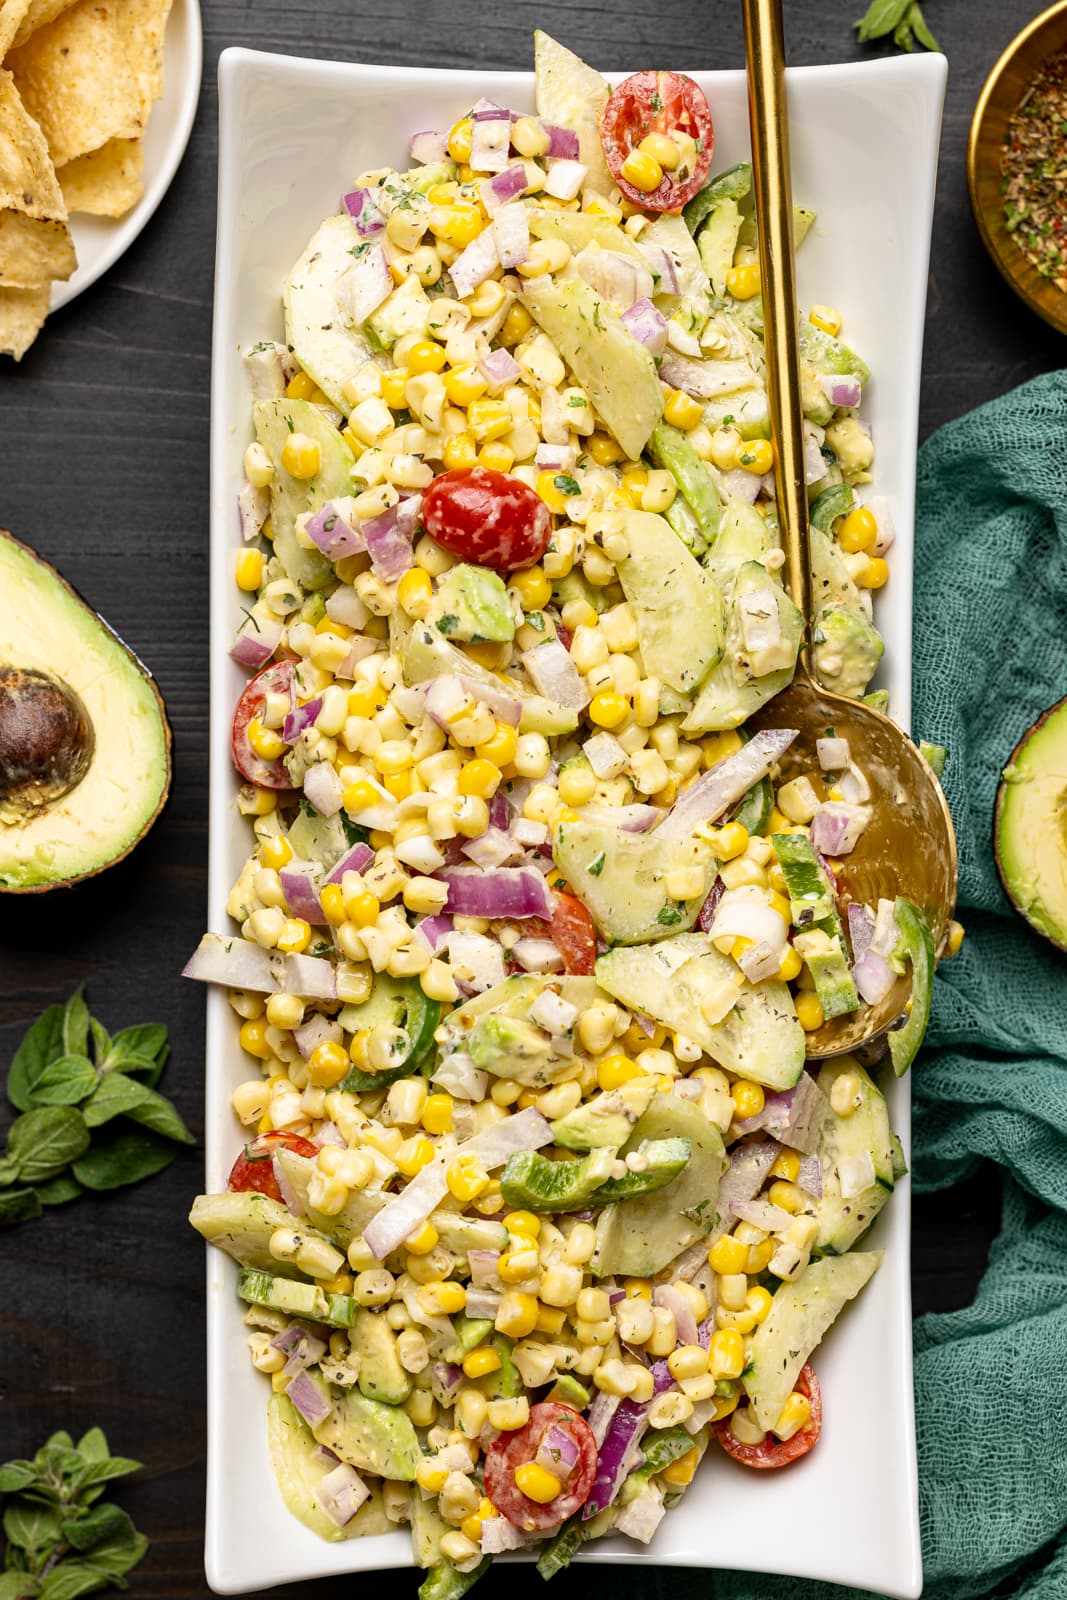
(990, 1087)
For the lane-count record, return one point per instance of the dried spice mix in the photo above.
(1034, 165)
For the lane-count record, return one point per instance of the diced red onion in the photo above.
(477, 962)
(503, 187)
(760, 961)
(308, 1400)
(289, 1338)
(447, 1378)
(511, 231)
(601, 1412)
(810, 1176)
(341, 1493)
(791, 1116)
(428, 146)
(562, 142)
(333, 534)
(346, 607)
(556, 457)
(257, 641)
(307, 1351)
(834, 754)
(725, 783)
(628, 819)
(841, 389)
(854, 786)
(315, 1031)
(555, 675)
(499, 810)
(389, 546)
(880, 510)
(856, 1174)
(367, 283)
(744, 913)
(761, 627)
(744, 1177)
(617, 1455)
(640, 1517)
(860, 928)
(269, 366)
(490, 142)
(493, 848)
(407, 512)
(483, 1265)
(359, 649)
(354, 859)
(240, 964)
(666, 1295)
(662, 265)
(648, 326)
(499, 1535)
(691, 376)
(499, 368)
(557, 1452)
(363, 209)
(537, 955)
(505, 707)
(605, 755)
(483, 1303)
(434, 929)
(485, 110)
(329, 1134)
(737, 484)
(836, 827)
(324, 788)
(873, 977)
(706, 915)
(460, 1078)
(554, 428)
(509, 892)
(290, 1198)
(301, 893)
(474, 264)
(565, 179)
(762, 1214)
(297, 718)
(252, 508)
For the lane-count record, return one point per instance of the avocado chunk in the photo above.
(470, 1333)
(820, 938)
(371, 1435)
(1029, 834)
(381, 1377)
(607, 1119)
(935, 756)
(275, 421)
(84, 740)
(328, 348)
(298, 1467)
(848, 649)
(916, 945)
(639, 1237)
(735, 690)
(847, 1145)
(505, 1383)
(531, 1182)
(567, 1391)
(515, 1048)
(800, 1314)
(296, 1299)
(663, 1160)
(621, 879)
(472, 605)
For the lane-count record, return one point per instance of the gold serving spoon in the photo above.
(909, 846)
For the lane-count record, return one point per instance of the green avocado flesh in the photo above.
(84, 742)
(1031, 826)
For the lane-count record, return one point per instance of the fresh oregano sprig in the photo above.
(901, 18)
(91, 1115)
(62, 1541)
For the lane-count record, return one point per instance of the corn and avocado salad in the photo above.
(538, 1199)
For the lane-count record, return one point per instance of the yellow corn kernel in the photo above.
(537, 1483)
(413, 1155)
(264, 741)
(809, 1011)
(497, 455)
(758, 1257)
(550, 1320)
(688, 1361)
(550, 492)
(955, 938)
(301, 456)
(457, 225)
(744, 283)
(295, 936)
(786, 1195)
(328, 1063)
(729, 841)
(466, 1178)
(471, 1527)
(681, 1472)
(415, 592)
(442, 1299)
(795, 1415)
(682, 411)
(437, 1114)
(517, 1314)
(422, 1241)
(463, 384)
(875, 574)
(479, 778)
(399, 784)
(755, 456)
(523, 1222)
(489, 419)
(460, 451)
(359, 795)
(663, 149)
(487, 299)
(300, 387)
(518, 1265)
(791, 965)
(727, 1256)
(642, 171)
(726, 1354)
(248, 570)
(759, 1302)
(500, 750)
(515, 327)
(532, 588)
(253, 1037)
(276, 852)
(425, 355)
(459, 139)
(394, 385)
(858, 531)
(723, 1405)
(479, 1363)
(604, 450)
(362, 908)
(609, 710)
(430, 1476)
(828, 318)
(786, 1166)
(748, 1099)
(637, 1288)
(614, 1071)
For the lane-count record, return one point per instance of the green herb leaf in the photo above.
(120, 1095)
(902, 35)
(45, 1140)
(919, 27)
(101, 1040)
(93, 1527)
(880, 18)
(596, 866)
(65, 1082)
(58, 1190)
(9, 1171)
(110, 1467)
(19, 1205)
(72, 1579)
(16, 1475)
(18, 1586)
(566, 484)
(121, 1156)
(76, 1024)
(93, 1445)
(32, 1528)
(41, 1044)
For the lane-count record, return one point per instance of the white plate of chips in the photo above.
(97, 101)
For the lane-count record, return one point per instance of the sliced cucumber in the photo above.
(621, 879)
(324, 343)
(242, 1224)
(446, 1582)
(341, 1227)
(820, 935)
(531, 1182)
(400, 1003)
(844, 1142)
(732, 692)
(663, 1160)
(917, 947)
(800, 1314)
(275, 421)
(296, 1299)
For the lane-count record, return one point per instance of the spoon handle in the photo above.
(769, 124)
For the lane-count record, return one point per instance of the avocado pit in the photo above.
(47, 741)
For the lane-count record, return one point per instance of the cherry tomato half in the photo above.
(658, 102)
(510, 1451)
(773, 1452)
(275, 679)
(487, 517)
(253, 1168)
(571, 931)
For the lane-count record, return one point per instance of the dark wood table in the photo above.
(104, 469)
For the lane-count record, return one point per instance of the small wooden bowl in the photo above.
(996, 104)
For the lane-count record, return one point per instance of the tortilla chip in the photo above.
(38, 14)
(12, 15)
(27, 177)
(33, 251)
(22, 312)
(76, 81)
(143, 24)
(106, 182)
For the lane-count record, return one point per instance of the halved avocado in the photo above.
(1030, 828)
(85, 761)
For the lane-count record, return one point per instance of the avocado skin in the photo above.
(1024, 824)
(93, 867)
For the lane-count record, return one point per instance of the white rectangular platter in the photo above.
(293, 135)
